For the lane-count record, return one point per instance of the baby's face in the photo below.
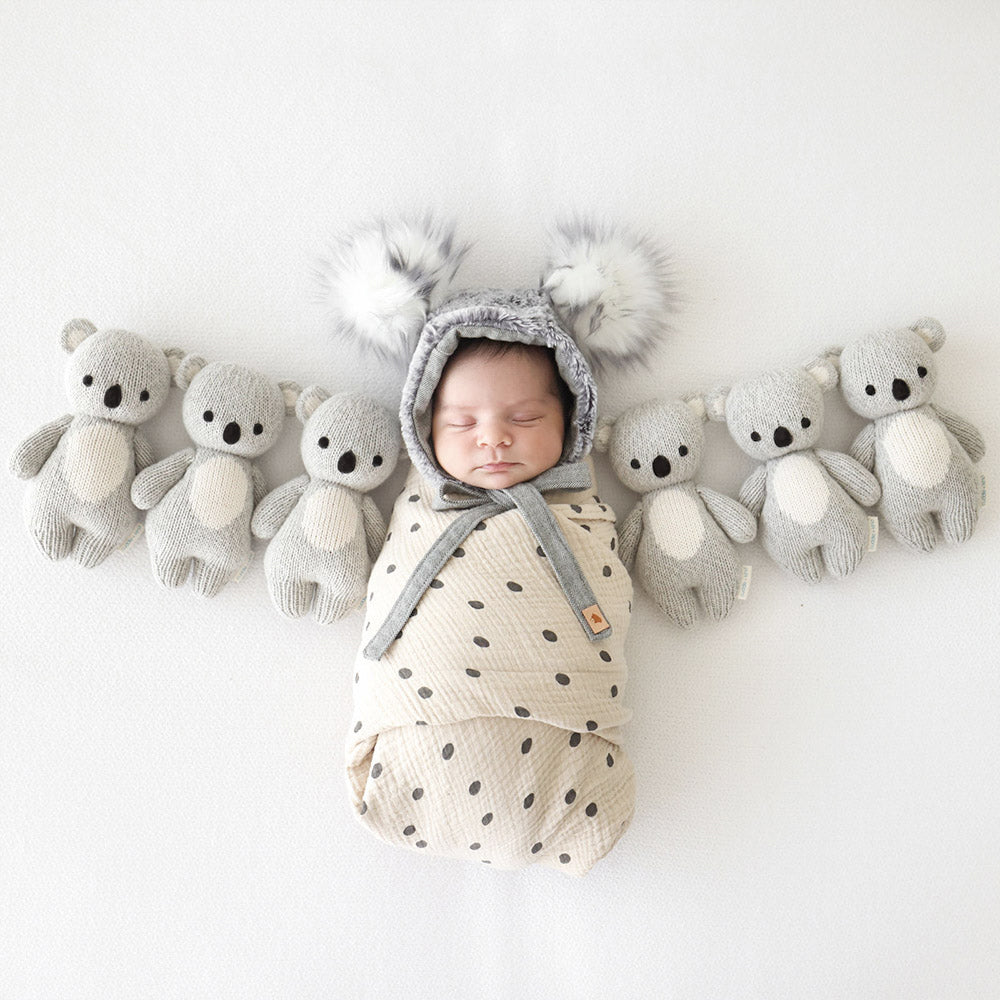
(497, 421)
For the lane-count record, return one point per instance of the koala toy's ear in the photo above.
(602, 436)
(696, 404)
(186, 368)
(714, 403)
(931, 331)
(290, 391)
(824, 370)
(382, 279)
(74, 333)
(309, 400)
(611, 289)
(174, 357)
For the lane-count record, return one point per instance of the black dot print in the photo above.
(436, 584)
(481, 526)
(487, 819)
(475, 787)
(475, 847)
(586, 527)
(614, 690)
(591, 810)
(526, 746)
(614, 544)
(387, 537)
(562, 679)
(576, 508)
(409, 831)
(377, 771)
(521, 712)
(540, 551)
(605, 655)
(477, 605)
(473, 673)
(424, 692)
(414, 527)
(406, 673)
(420, 722)
(391, 568)
(480, 641)
(564, 859)
(459, 552)
(606, 571)
(529, 800)
(591, 725)
(611, 761)
(357, 728)
(549, 635)
(420, 843)
(418, 794)
(448, 751)
(514, 588)
(574, 740)
(536, 848)
(570, 797)
(413, 498)
(364, 808)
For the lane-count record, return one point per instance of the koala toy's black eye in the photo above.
(635, 463)
(324, 442)
(754, 436)
(682, 450)
(377, 461)
(208, 416)
(922, 372)
(258, 428)
(870, 389)
(144, 396)
(806, 421)
(88, 380)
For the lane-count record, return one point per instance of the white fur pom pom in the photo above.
(381, 280)
(611, 288)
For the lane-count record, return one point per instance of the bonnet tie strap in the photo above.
(477, 505)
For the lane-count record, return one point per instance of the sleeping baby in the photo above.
(488, 695)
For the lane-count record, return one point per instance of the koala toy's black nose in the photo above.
(782, 437)
(661, 467)
(900, 390)
(347, 462)
(231, 432)
(113, 397)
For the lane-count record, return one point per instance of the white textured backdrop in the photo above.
(819, 787)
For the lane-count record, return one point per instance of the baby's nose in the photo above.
(493, 434)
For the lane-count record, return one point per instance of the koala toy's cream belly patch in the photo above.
(676, 523)
(800, 489)
(330, 519)
(918, 449)
(97, 459)
(220, 491)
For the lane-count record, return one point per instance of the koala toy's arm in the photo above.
(967, 435)
(754, 490)
(863, 448)
(735, 520)
(152, 484)
(374, 526)
(852, 475)
(259, 485)
(271, 513)
(33, 452)
(629, 535)
(143, 451)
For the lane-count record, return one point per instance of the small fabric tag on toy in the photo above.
(595, 619)
(872, 533)
(982, 490)
(242, 571)
(744, 590)
(130, 541)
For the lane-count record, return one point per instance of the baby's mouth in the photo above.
(496, 466)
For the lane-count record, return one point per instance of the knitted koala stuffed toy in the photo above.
(806, 498)
(200, 500)
(921, 453)
(324, 530)
(83, 464)
(676, 535)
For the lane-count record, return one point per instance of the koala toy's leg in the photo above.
(679, 604)
(53, 534)
(717, 596)
(843, 554)
(806, 564)
(209, 578)
(91, 549)
(293, 598)
(171, 571)
(332, 605)
(958, 518)
(918, 531)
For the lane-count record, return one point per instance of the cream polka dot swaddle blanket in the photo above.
(490, 728)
